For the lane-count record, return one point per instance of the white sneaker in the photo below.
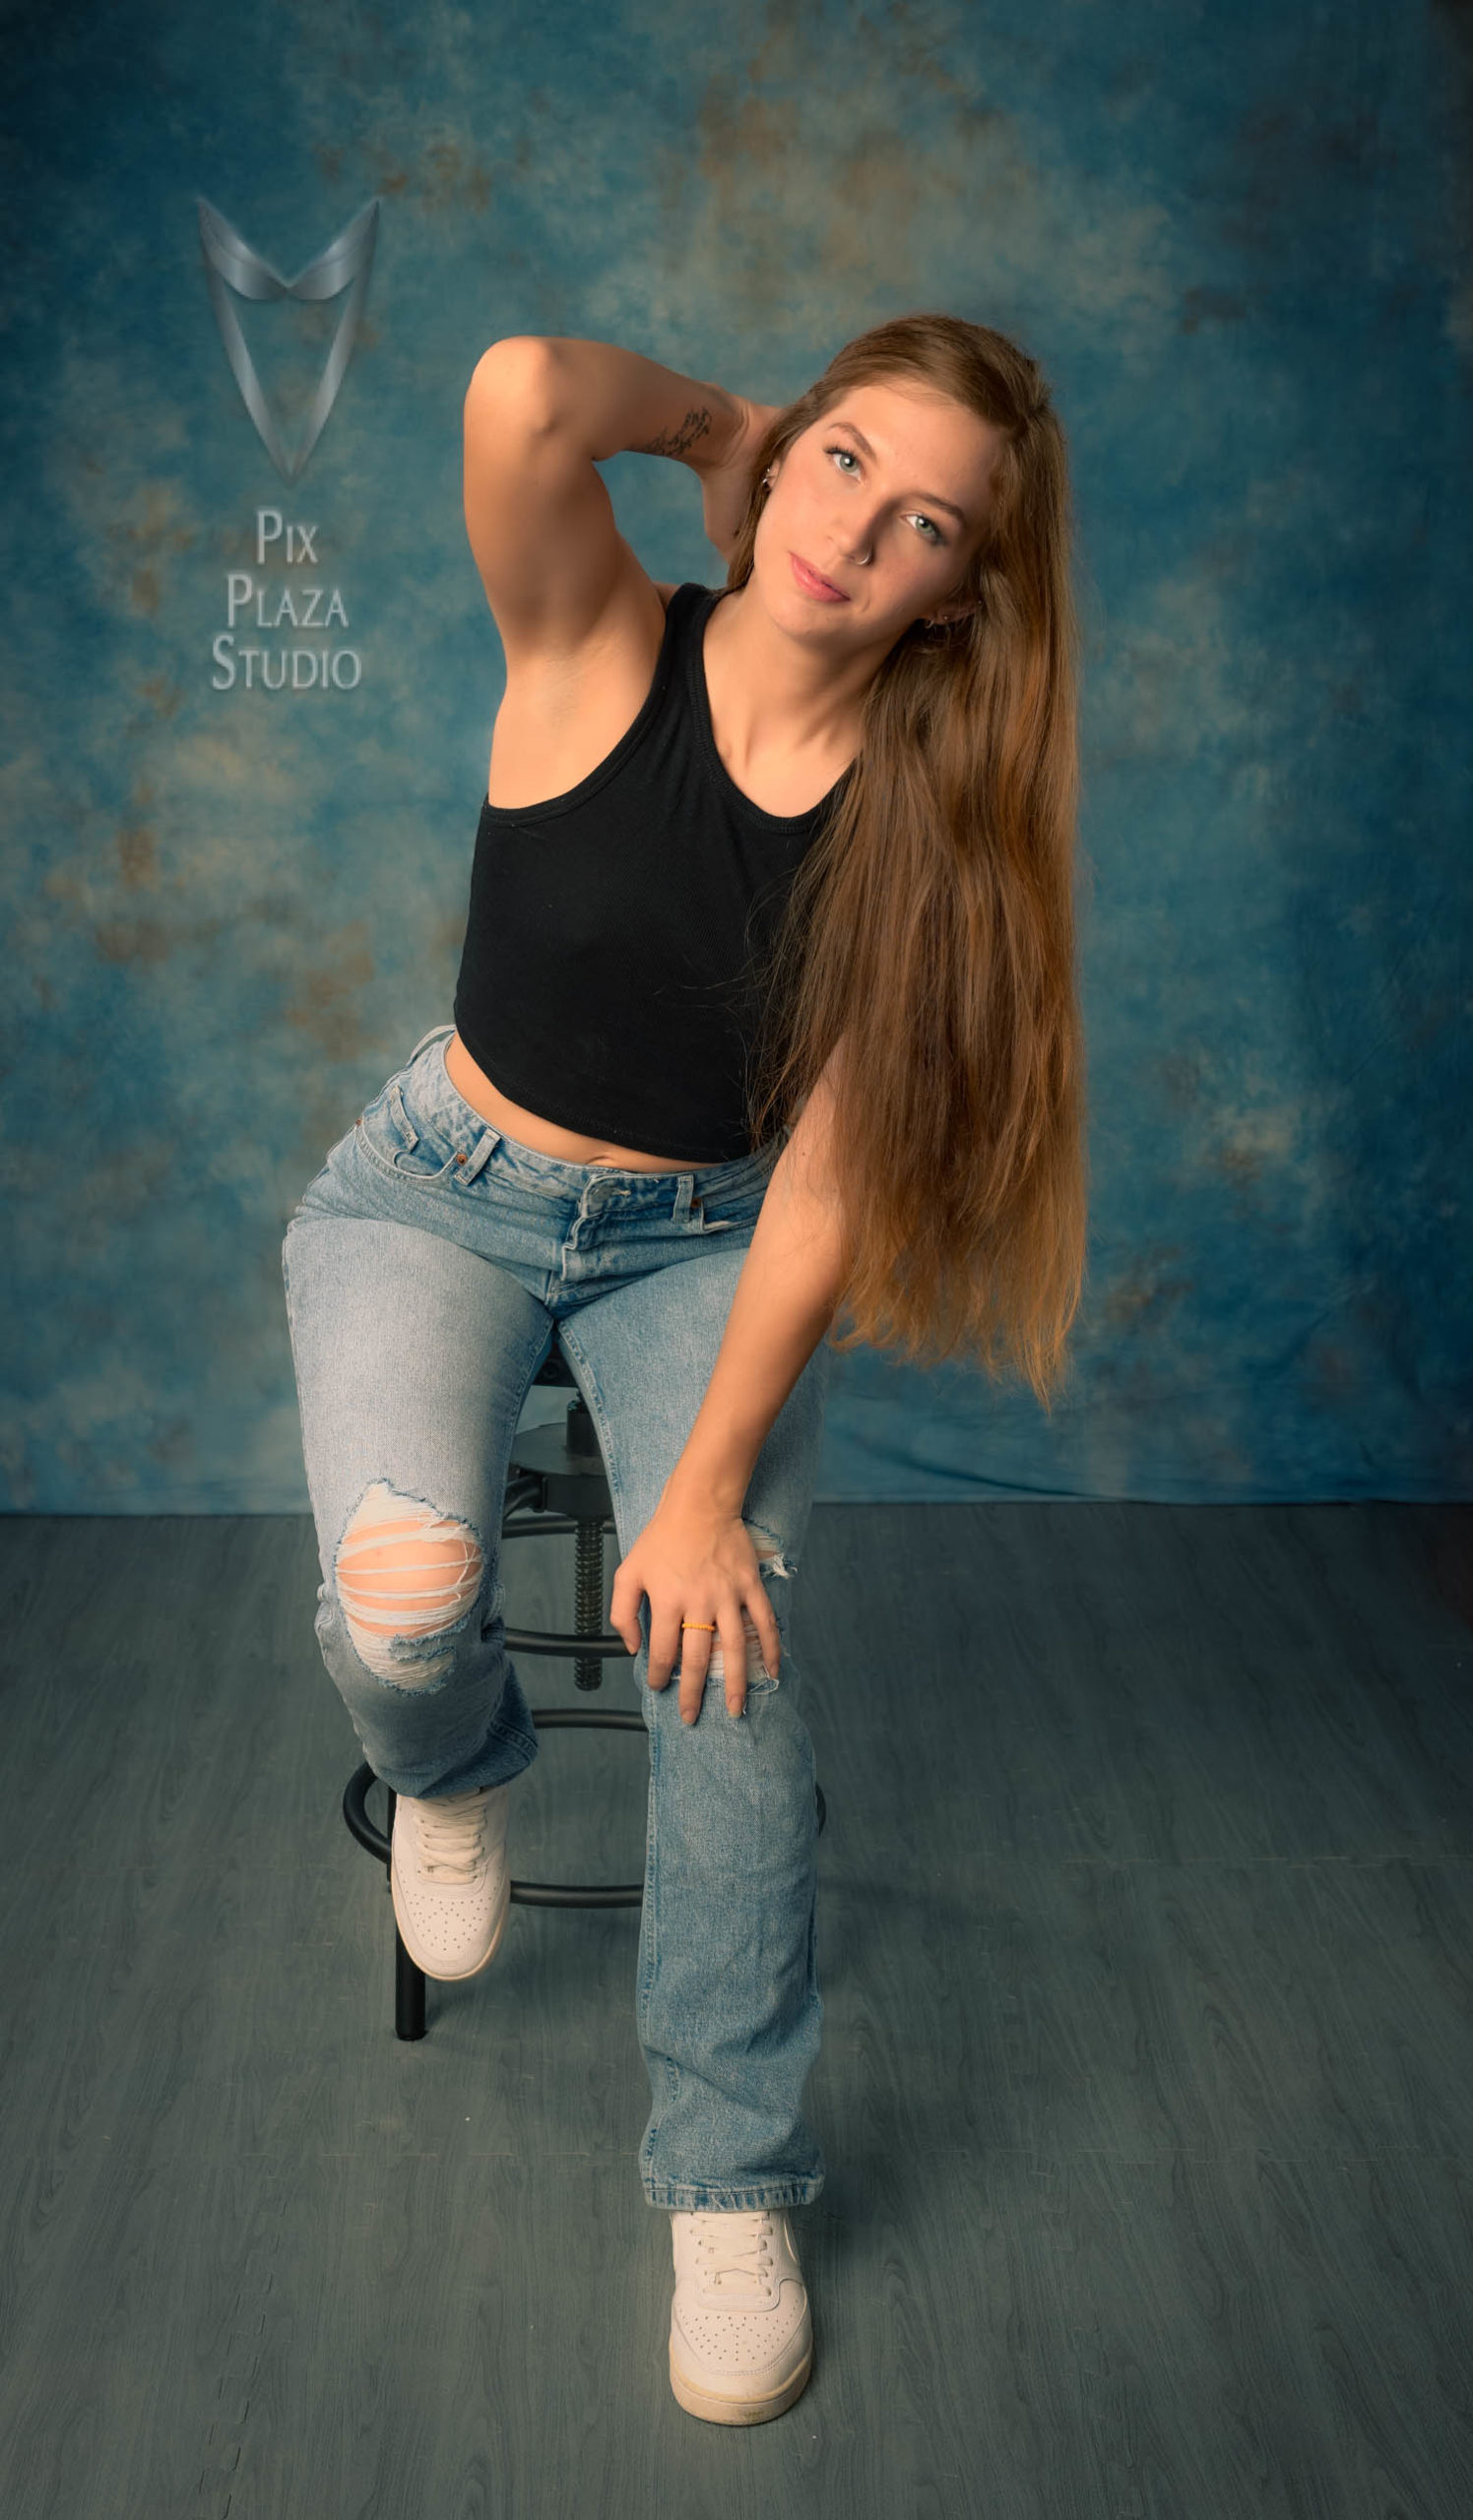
(740, 2333)
(449, 1877)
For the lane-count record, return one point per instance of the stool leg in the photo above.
(409, 1976)
(409, 1992)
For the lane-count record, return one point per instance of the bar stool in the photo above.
(556, 1481)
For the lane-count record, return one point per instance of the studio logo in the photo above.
(344, 265)
(296, 604)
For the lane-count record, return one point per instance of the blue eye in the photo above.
(934, 530)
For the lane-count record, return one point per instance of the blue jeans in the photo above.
(425, 1268)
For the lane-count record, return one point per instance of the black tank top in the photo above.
(613, 967)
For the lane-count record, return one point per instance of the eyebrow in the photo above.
(930, 496)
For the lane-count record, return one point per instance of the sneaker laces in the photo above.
(731, 2249)
(452, 1836)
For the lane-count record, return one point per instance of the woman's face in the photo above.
(885, 497)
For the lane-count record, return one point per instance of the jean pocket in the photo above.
(744, 1221)
(390, 1139)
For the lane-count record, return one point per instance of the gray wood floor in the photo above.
(1147, 2089)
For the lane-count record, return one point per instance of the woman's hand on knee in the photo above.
(696, 1563)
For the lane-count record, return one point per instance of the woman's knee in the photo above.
(407, 1577)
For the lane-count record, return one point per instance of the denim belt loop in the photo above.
(684, 1185)
(484, 1148)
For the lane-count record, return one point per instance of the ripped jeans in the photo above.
(424, 1269)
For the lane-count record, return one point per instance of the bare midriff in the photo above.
(545, 1137)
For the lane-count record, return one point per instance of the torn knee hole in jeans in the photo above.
(407, 1577)
(772, 1561)
(769, 1550)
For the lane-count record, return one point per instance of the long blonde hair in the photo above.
(932, 925)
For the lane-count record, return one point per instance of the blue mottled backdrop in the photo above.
(1237, 241)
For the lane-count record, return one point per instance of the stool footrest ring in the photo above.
(408, 1978)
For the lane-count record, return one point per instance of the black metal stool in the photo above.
(556, 1481)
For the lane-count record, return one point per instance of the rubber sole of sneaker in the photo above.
(731, 2409)
(452, 1977)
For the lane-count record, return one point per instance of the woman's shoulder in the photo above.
(578, 708)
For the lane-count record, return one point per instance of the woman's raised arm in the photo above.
(542, 413)
(619, 401)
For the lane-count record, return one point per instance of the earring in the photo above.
(767, 477)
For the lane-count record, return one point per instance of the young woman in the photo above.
(766, 1007)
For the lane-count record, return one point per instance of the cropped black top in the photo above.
(612, 978)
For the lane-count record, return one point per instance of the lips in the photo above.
(815, 579)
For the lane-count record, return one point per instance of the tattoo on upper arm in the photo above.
(696, 425)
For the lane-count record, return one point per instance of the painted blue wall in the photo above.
(1235, 238)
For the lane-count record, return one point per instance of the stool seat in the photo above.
(556, 1481)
